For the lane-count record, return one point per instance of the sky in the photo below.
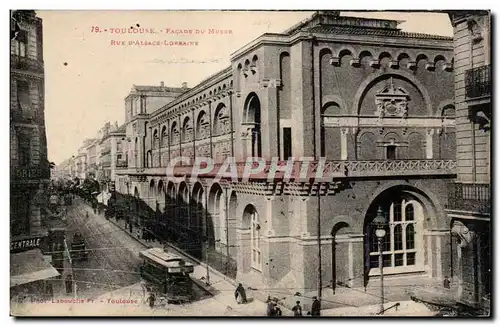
(87, 78)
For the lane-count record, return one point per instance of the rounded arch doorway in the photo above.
(403, 248)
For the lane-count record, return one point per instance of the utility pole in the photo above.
(320, 278)
(206, 234)
(226, 209)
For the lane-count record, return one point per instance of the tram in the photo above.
(167, 273)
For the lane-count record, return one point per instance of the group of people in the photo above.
(274, 310)
(272, 305)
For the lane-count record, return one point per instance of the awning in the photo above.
(29, 266)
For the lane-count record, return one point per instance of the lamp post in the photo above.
(380, 224)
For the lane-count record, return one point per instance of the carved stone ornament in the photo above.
(392, 101)
(463, 234)
(476, 30)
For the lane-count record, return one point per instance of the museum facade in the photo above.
(375, 102)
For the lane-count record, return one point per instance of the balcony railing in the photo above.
(24, 63)
(470, 197)
(478, 82)
(106, 164)
(29, 173)
(301, 171)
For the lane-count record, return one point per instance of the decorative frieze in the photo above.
(355, 62)
(412, 65)
(374, 63)
(430, 66)
(335, 61)
(447, 66)
(393, 64)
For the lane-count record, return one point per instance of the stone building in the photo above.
(111, 153)
(375, 101)
(36, 232)
(469, 204)
(30, 171)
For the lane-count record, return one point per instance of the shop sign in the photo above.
(25, 244)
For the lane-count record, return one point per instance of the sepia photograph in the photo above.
(250, 163)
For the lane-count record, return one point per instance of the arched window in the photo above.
(202, 126)
(221, 121)
(164, 137)
(399, 245)
(174, 134)
(409, 212)
(156, 139)
(187, 130)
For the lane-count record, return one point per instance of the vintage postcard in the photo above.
(250, 163)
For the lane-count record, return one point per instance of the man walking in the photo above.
(151, 300)
(316, 307)
(240, 294)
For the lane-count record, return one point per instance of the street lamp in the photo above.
(379, 223)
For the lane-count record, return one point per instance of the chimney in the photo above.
(184, 85)
(162, 84)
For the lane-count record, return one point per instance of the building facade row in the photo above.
(376, 102)
(469, 204)
(97, 158)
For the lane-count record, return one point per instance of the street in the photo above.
(113, 257)
(108, 283)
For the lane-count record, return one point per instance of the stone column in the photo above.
(244, 259)
(343, 143)
(269, 123)
(429, 143)
(356, 260)
(246, 140)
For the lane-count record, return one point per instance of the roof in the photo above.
(164, 258)
(330, 22)
(140, 88)
(122, 128)
(367, 31)
(29, 266)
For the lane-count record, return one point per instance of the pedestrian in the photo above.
(69, 283)
(297, 309)
(240, 295)
(270, 307)
(138, 233)
(277, 310)
(151, 300)
(446, 282)
(316, 307)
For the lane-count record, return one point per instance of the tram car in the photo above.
(168, 273)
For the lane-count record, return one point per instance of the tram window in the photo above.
(179, 277)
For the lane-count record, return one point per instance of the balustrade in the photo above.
(338, 169)
(471, 197)
(478, 82)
